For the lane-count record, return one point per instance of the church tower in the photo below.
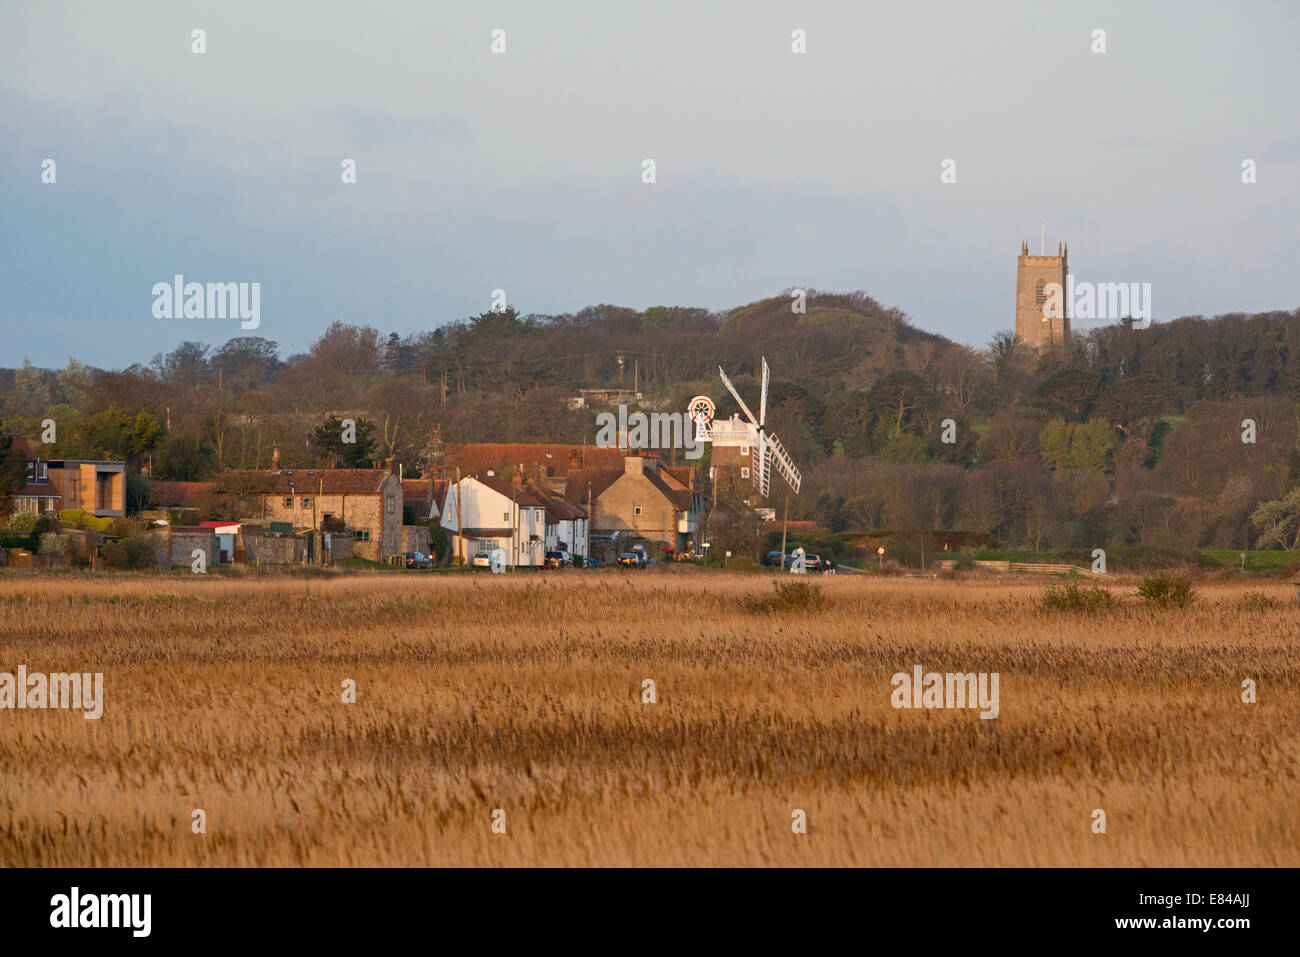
(1034, 301)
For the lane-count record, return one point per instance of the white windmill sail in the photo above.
(767, 448)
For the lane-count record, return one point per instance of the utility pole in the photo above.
(460, 521)
(785, 526)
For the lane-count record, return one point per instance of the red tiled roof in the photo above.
(502, 487)
(178, 494)
(481, 456)
(558, 509)
(595, 481)
(672, 490)
(314, 481)
(38, 490)
(417, 490)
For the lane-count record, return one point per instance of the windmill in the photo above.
(767, 448)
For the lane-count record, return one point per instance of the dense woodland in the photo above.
(1131, 437)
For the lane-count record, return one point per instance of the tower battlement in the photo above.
(1033, 274)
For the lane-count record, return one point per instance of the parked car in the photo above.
(557, 560)
(814, 563)
(776, 558)
(418, 560)
(630, 560)
(482, 560)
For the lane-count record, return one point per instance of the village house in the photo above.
(547, 465)
(422, 499)
(98, 488)
(484, 513)
(622, 497)
(367, 501)
(643, 500)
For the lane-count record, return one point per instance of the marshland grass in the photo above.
(523, 692)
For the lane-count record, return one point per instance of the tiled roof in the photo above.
(177, 494)
(595, 481)
(417, 490)
(672, 490)
(314, 481)
(558, 509)
(38, 490)
(481, 456)
(502, 487)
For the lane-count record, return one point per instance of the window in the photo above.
(744, 450)
(505, 516)
(306, 501)
(636, 510)
(361, 534)
(390, 505)
(42, 471)
(288, 501)
(744, 471)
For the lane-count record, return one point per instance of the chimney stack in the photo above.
(275, 458)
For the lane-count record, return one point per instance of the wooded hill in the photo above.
(1132, 435)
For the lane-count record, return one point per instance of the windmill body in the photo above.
(766, 451)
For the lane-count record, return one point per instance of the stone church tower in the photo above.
(1033, 273)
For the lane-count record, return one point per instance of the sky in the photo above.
(522, 171)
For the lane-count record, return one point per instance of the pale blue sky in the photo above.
(522, 171)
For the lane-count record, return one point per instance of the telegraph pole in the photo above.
(785, 526)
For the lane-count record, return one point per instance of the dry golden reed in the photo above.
(523, 692)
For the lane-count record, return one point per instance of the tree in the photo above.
(1069, 391)
(329, 435)
(1278, 523)
(13, 473)
(182, 458)
(350, 350)
(186, 365)
(31, 395)
(1073, 445)
(247, 360)
(75, 383)
(1136, 399)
